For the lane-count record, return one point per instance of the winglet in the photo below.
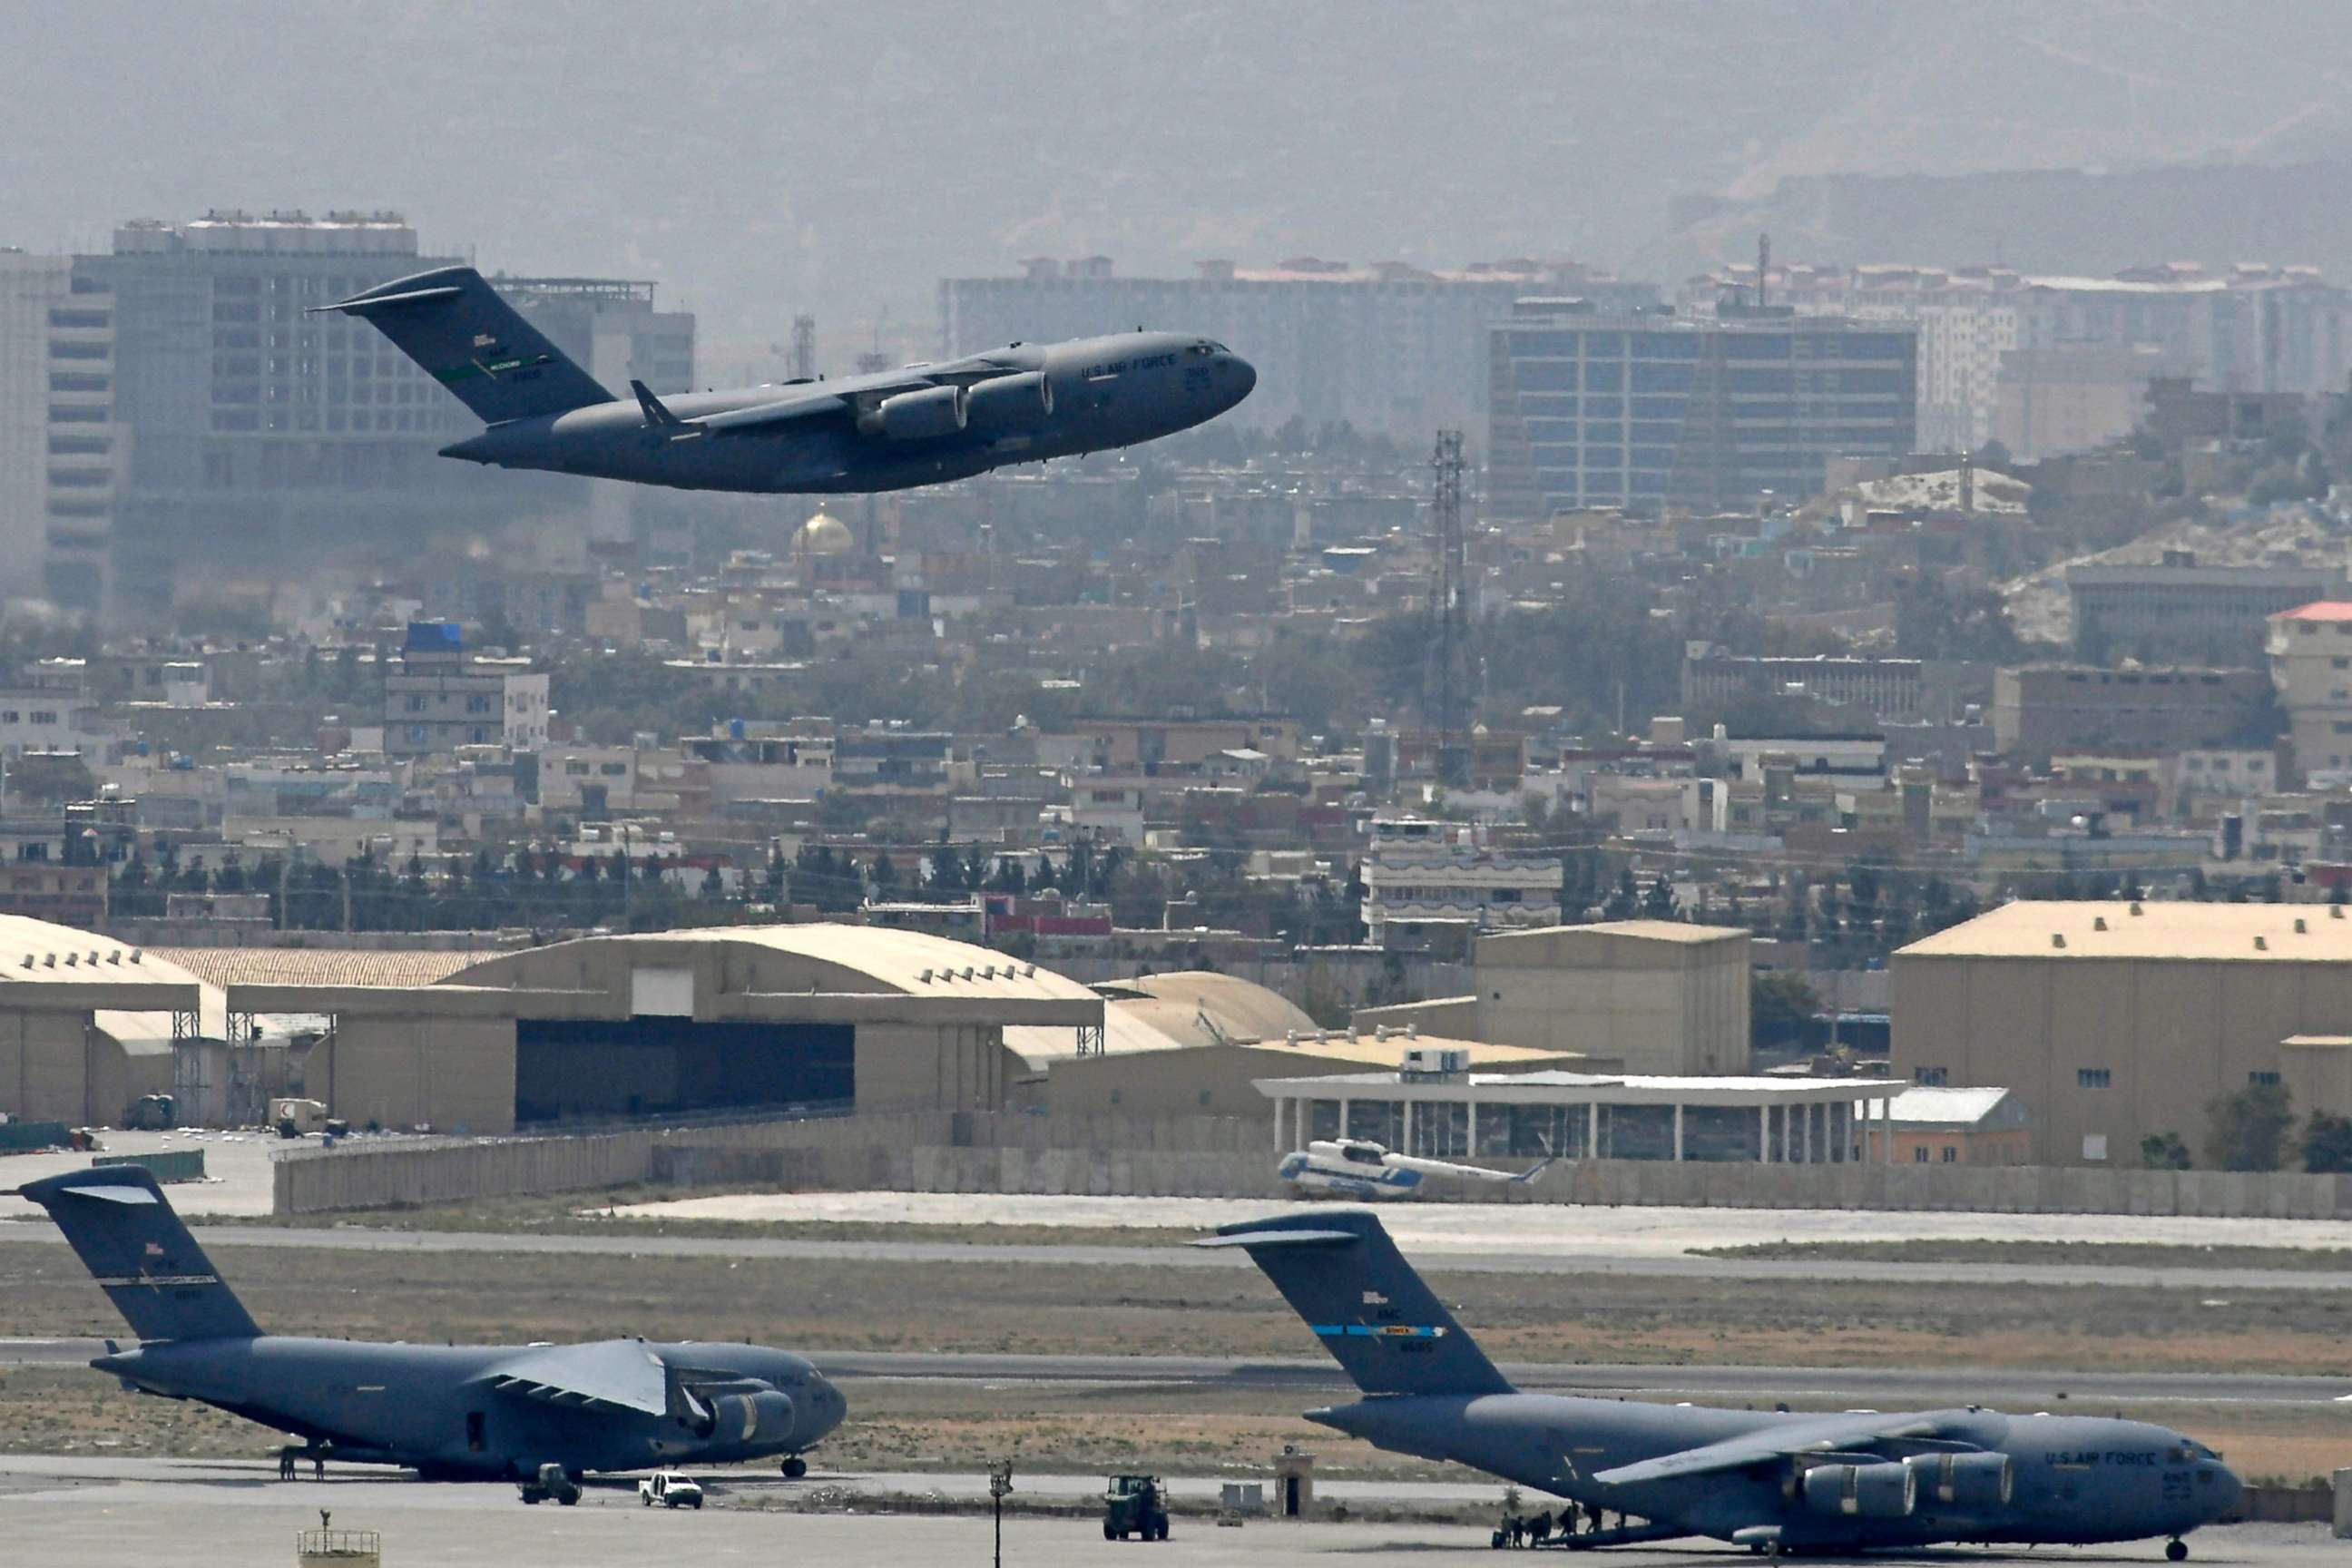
(654, 412)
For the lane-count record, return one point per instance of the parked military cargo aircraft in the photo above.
(1771, 1481)
(884, 431)
(450, 1413)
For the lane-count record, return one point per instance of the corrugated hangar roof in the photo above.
(2052, 929)
(325, 966)
(913, 964)
(1239, 1006)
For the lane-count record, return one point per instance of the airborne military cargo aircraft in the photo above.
(1770, 1480)
(452, 1413)
(890, 430)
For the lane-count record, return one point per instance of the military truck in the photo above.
(552, 1482)
(1136, 1506)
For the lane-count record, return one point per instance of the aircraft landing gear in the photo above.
(795, 1468)
(2176, 1551)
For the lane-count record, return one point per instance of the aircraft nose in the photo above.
(1240, 377)
(2222, 1496)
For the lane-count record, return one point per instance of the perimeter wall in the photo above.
(979, 1152)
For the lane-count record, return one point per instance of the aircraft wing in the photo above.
(858, 396)
(1821, 1434)
(619, 1374)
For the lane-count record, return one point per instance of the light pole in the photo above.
(1000, 1481)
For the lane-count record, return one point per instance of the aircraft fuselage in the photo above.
(437, 1409)
(2074, 1479)
(1106, 392)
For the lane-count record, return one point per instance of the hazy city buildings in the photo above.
(1594, 411)
(258, 434)
(1388, 347)
(2254, 328)
(2310, 651)
(59, 448)
(2177, 609)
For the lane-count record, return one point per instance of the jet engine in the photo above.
(1011, 401)
(1886, 1490)
(750, 1418)
(1965, 1481)
(918, 415)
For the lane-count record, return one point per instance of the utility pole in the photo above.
(1446, 684)
(803, 360)
(1000, 1481)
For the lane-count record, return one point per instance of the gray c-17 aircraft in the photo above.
(889, 430)
(1770, 1480)
(458, 1413)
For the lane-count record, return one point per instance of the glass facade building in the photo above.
(1594, 411)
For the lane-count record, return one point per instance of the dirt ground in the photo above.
(2076, 1254)
(1028, 1308)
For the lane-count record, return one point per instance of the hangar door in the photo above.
(652, 1067)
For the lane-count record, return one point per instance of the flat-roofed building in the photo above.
(2177, 609)
(2310, 651)
(1594, 411)
(1660, 996)
(2042, 709)
(1573, 1115)
(2115, 1021)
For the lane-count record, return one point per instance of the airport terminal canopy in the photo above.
(1582, 1115)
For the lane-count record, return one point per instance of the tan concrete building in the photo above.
(1195, 1043)
(88, 1023)
(1653, 996)
(2114, 1021)
(2311, 668)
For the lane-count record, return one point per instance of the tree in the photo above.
(884, 873)
(2247, 1131)
(2164, 1151)
(2327, 1143)
(1623, 900)
(1778, 1007)
(1659, 903)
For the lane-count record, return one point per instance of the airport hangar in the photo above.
(2116, 1020)
(603, 1026)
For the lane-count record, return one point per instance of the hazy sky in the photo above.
(759, 158)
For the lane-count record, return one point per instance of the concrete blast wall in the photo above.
(1211, 1157)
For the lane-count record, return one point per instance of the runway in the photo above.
(1317, 1378)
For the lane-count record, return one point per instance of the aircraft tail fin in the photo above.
(120, 1224)
(1527, 1176)
(1341, 1273)
(472, 342)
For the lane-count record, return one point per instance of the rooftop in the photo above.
(2318, 610)
(2291, 933)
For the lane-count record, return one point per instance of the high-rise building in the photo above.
(1713, 412)
(1389, 347)
(59, 448)
(261, 434)
(2256, 328)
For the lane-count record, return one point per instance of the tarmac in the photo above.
(97, 1512)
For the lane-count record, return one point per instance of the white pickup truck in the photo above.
(670, 1489)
